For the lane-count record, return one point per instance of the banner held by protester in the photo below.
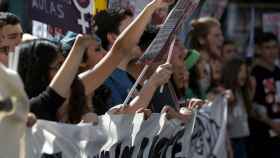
(209, 136)
(182, 10)
(114, 136)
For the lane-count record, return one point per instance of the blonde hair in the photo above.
(200, 29)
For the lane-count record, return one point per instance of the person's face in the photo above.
(216, 67)
(124, 23)
(95, 53)
(179, 55)
(242, 75)
(269, 50)
(13, 35)
(214, 41)
(55, 65)
(229, 51)
(181, 77)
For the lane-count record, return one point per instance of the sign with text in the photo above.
(182, 10)
(71, 15)
(115, 136)
(131, 136)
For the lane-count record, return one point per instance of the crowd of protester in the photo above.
(79, 77)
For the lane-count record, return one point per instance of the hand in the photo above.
(195, 103)
(147, 112)
(161, 75)
(125, 110)
(90, 118)
(31, 120)
(120, 109)
(84, 41)
(230, 97)
(171, 113)
(162, 3)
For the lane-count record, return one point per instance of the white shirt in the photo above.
(12, 125)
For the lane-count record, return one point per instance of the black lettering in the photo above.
(105, 154)
(177, 147)
(118, 150)
(152, 146)
(160, 147)
(56, 155)
(143, 146)
(127, 152)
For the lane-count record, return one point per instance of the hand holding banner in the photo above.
(172, 25)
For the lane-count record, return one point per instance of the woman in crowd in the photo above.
(39, 63)
(206, 37)
(48, 102)
(235, 78)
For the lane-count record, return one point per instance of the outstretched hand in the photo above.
(162, 74)
(171, 113)
(84, 41)
(195, 103)
(162, 3)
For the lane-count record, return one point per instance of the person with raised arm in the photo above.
(125, 42)
(46, 82)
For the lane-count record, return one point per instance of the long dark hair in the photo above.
(35, 57)
(229, 80)
(77, 105)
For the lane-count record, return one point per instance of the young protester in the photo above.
(235, 77)
(47, 103)
(206, 37)
(267, 77)
(45, 82)
(229, 50)
(118, 82)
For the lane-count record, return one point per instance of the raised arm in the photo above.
(63, 79)
(159, 77)
(131, 35)
(93, 78)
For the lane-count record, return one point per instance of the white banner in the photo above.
(115, 136)
(130, 136)
(208, 138)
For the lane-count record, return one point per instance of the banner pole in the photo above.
(169, 58)
(132, 90)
